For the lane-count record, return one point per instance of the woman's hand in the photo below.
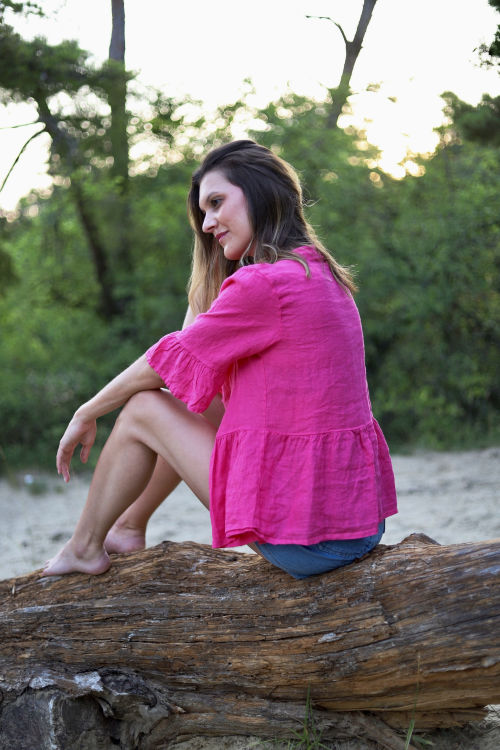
(79, 431)
(139, 376)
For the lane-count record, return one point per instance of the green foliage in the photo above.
(494, 48)
(489, 54)
(72, 97)
(480, 124)
(27, 8)
(437, 376)
(7, 275)
(34, 68)
(56, 350)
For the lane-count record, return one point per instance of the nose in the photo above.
(208, 222)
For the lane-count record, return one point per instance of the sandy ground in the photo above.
(451, 497)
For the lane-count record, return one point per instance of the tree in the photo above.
(340, 94)
(117, 95)
(26, 7)
(117, 98)
(480, 123)
(174, 641)
(490, 54)
(36, 71)
(433, 364)
(83, 138)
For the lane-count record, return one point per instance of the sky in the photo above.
(414, 50)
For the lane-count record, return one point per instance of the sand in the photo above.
(451, 497)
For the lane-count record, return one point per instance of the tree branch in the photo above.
(339, 27)
(117, 44)
(353, 49)
(22, 125)
(31, 138)
(68, 148)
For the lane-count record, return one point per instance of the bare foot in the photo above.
(122, 539)
(67, 561)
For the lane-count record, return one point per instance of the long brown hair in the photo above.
(275, 208)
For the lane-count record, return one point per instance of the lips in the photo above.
(219, 236)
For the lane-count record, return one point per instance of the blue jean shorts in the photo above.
(302, 561)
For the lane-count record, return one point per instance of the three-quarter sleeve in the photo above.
(243, 321)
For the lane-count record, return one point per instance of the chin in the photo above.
(233, 254)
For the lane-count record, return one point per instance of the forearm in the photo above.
(139, 376)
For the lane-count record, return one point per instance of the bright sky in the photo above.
(416, 50)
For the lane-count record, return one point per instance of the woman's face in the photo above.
(226, 214)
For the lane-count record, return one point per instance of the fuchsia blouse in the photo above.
(298, 457)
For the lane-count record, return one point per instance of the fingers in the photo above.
(63, 464)
(63, 458)
(84, 453)
(77, 432)
(64, 472)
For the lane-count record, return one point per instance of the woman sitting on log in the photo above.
(289, 458)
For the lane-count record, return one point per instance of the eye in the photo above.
(214, 202)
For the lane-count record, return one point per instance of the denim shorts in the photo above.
(302, 561)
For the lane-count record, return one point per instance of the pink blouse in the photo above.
(298, 457)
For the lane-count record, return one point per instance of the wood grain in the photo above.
(223, 643)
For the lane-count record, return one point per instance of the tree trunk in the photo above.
(183, 640)
(117, 98)
(67, 147)
(117, 44)
(108, 306)
(352, 50)
(117, 95)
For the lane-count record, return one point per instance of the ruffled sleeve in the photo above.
(244, 320)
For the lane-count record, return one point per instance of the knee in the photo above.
(138, 407)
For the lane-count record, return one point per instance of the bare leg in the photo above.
(152, 423)
(128, 533)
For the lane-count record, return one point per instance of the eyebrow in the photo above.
(207, 199)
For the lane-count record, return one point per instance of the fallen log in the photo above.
(184, 640)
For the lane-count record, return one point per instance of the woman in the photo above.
(298, 468)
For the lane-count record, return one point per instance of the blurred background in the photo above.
(390, 111)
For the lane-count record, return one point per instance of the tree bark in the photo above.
(117, 98)
(118, 94)
(67, 147)
(108, 307)
(117, 44)
(183, 640)
(352, 49)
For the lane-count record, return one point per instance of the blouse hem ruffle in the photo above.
(188, 379)
(342, 487)
(248, 536)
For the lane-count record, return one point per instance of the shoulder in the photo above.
(263, 281)
(270, 273)
(248, 290)
(254, 278)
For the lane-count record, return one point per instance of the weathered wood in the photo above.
(182, 639)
